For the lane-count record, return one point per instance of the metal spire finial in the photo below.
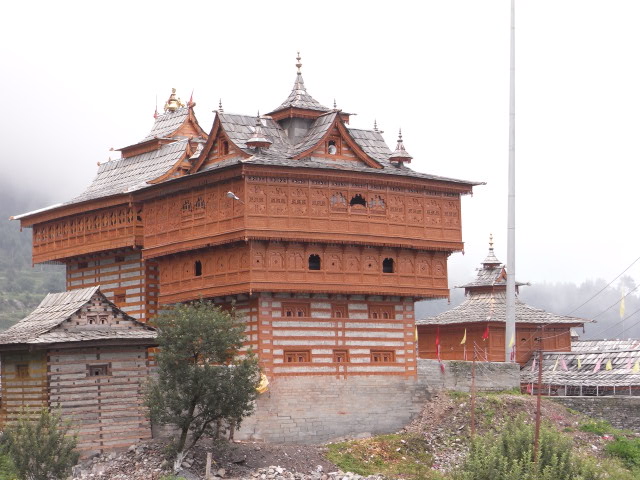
(491, 241)
(220, 109)
(299, 65)
(375, 125)
(400, 155)
(335, 105)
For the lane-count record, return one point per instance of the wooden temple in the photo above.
(77, 352)
(319, 233)
(480, 322)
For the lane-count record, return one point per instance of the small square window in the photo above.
(98, 370)
(383, 356)
(339, 310)
(22, 370)
(296, 357)
(340, 356)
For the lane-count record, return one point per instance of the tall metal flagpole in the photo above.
(510, 327)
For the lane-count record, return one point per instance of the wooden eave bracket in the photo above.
(346, 136)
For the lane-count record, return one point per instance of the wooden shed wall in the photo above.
(107, 409)
(23, 387)
(556, 338)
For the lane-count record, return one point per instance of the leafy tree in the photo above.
(202, 379)
(41, 448)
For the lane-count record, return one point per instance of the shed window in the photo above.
(358, 200)
(296, 357)
(98, 370)
(314, 262)
(22, 370)
(197, 268)
(383, 356)
(387, 265)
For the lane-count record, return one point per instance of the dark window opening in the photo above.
(340, 356)
(224, 148)
(22, 370)
(314, 262)
(92, 320)
(382, 356)
(119, 259)
(119, 297)
(98, 370)
(83, 265)
(358, 200)
(387, 265)
(197, 268)
(296, 357)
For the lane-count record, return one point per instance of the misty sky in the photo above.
(79, 78)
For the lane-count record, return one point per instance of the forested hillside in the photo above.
(21, 285)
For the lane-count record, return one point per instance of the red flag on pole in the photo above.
(438, 342)
(485, 335)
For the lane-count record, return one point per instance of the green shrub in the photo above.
(7, 470)
(40, 446)
(627, 449)
(508, 456)
(599, 427)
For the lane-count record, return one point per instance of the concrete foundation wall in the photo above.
(622, 412)
(316, 409)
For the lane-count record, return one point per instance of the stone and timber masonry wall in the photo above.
(621, 411)
(316, 409)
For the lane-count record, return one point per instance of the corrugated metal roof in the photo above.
(491, 307)
(623, 354)
(38, 327)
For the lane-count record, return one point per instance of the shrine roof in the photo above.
(56, 308)
(491, 307)
(126, 175)
(300, 98)
(282, 151)
(491, 274)
(623, 354)
(167, 123)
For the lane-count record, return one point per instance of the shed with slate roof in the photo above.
(77, 352)
(589, 368)
(480, 321)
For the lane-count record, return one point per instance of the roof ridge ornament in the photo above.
(220, 109)
(400, 155)
(299, 64)
(259, 139)
(173, 103)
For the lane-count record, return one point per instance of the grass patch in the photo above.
(458, 395)
(626, 449)
(400, 455)
(599, 427)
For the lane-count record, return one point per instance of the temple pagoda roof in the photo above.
(491, 307)
(40, 326)
(491, 274)
(167, 123)
(299, 97)
(126, 175)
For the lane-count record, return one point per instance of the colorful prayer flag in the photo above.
(579, 363)
(533, 365)
(564, 364)
(464, 337)
(442, 367)
(597, 367)
(622, 303)
(512, 342)
(629, 366)
(555, 365)
(437, 336)
(485, 335)
(608, 366)
(636, 367)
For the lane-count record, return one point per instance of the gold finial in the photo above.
(491, 241)
(299, 65)
(173, 103)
